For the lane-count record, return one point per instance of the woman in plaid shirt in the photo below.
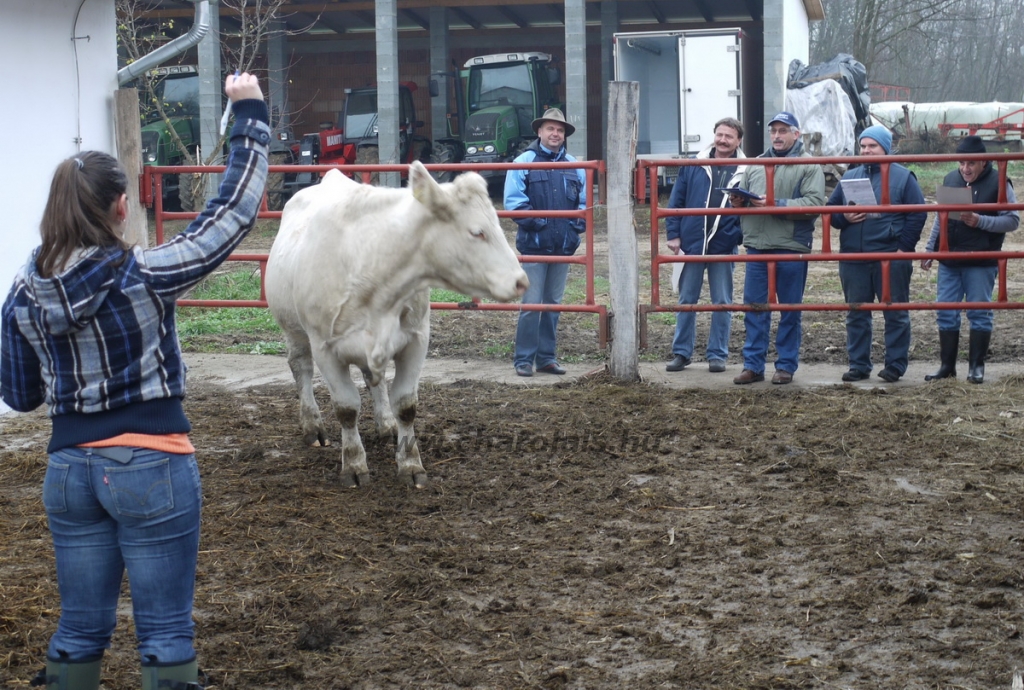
(89, 329)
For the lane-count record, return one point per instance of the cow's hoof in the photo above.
(416, 480)
(354, 481)
(317, 438)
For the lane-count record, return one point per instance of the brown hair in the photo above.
(80, 210)
(731, 122)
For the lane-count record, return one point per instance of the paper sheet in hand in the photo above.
(858, 192)
(953, 195)
(737, 190)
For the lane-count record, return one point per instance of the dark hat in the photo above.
(971, 144)
(786, 119)
(555, 115)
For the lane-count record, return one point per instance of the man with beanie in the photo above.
(795, 185)
(862, 280)
(966, 279)
(545, 190)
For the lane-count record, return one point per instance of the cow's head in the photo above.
(470, 251)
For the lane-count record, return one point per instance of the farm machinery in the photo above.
(497, 98)
(353, 139)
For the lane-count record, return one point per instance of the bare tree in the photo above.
(139, 33)
(942, 49)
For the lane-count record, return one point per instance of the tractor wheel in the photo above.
(368, 155)
(276, 196)
(443, 153)
(191, 194)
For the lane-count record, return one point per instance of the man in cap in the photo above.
(701, 187)
(545, 190)
(795, 185)
(966, 279)
(878, 232)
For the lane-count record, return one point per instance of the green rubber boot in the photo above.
(179, 677)
(61, 675)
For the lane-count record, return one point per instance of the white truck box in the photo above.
(688, 81)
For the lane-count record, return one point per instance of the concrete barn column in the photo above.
(775, 68)
(609, 25)
(211, 97)
(576, 75)
(439, 62)
(277, 75)
(387, 88)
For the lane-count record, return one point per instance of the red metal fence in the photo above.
(647, 171)
(152, 195)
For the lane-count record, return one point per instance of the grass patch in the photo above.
(199, 322)
(442, 295)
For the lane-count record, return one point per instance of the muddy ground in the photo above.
(591, 535)
(595, 535)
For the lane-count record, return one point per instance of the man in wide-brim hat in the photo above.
(545, 190)
(554, 115)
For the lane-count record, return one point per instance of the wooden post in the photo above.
(129, 152)
(623, 255)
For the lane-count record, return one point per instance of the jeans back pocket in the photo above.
(141, 491)
(54, 488)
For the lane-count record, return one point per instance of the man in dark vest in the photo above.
(966, 279)
(545, 190)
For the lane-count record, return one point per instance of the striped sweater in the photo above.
(97, 342)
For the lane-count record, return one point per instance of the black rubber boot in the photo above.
(977, 354)
(62, 675)
(178, 677)
(949, 345)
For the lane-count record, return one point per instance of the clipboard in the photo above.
(859, 192)
(954, 195)
(738, 190)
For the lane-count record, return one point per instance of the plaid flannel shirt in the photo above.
(98, 343)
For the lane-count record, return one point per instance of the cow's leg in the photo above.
(300, 361)
(404, 393)
(345, 398)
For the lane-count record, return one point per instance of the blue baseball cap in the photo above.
(786, 119)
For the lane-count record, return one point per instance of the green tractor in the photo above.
(497, 97)
(176, 88)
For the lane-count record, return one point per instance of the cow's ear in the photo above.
(428, 192)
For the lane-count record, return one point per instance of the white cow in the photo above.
(349, 280)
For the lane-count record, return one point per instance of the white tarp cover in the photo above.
(928, 116)
(824, 108)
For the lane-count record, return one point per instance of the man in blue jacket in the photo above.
(545, 190)
(862, 280)
(701, 187)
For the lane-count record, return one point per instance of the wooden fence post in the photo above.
(623, 255)
(128, 131)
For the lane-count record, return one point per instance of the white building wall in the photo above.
(786, 37)
(796, 33)
(59, 102)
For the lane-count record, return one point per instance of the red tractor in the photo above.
(354, 138)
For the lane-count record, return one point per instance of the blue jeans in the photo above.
(141, 513)
(535, 333)
(862, 283)
(790, 281)
(966, 283)
(690, 284)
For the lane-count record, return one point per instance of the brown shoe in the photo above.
(782, 377)
(747, 376)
